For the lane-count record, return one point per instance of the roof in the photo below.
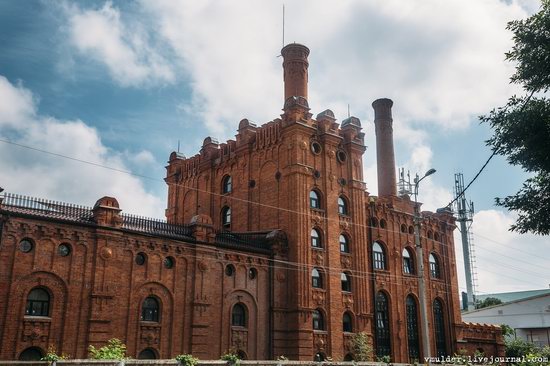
(514, 296)
(534, 295)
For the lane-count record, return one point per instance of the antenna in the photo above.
(348, 111)
(283, 25)
(178, 146)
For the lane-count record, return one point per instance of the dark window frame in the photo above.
(314, 199)
(345, 279)
(36, 306)
(344, 244)
(316, 281)
(413, 338)
(343, 206)
(347, 322)
(382, 325)
(318, 320)
(316, 241)
(238, 315)
(435, 267)
(408, 262)
(150, 310)
(379, 256)
(227, 184)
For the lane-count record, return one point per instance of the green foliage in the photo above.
(231, 357)
(52, 356)
(519, 348)
(522, 127)
(361, 347)
(114, 350)
(490, 301)
(187, 360)
(282, 358)
(507, 330)
(385, 359)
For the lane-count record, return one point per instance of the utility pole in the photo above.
(465, 214)
(420, 259)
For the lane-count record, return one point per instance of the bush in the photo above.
(361, 347)
(187, 360)
(519, 348)
(52, 356)
(114, 350)
(231, 357)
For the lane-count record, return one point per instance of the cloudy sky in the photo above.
(119, 83)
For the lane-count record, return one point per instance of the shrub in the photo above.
(187, 360)
(114, 350)
(52, 356)
(282, 358)
(361, 347)
(231, 357)
(519, 348)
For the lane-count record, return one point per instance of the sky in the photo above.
(119, 83)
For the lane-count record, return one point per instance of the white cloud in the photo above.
(505, 260)
(126, 53)
(51, 177)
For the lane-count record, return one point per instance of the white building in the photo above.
(528, 315)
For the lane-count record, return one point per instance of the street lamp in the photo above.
(421, 285)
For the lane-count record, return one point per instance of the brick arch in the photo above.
(243, 339)
(150, 335)
(189, 205)
(39, 332)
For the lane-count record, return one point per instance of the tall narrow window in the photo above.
(383, 346)
(412, 330)
(435, 270)
(347, 325)
(318, 320)
(342, 206)
(346, 281)
(316, 239)
(408, 263)
(439, 328)
(226, 217)
(38, 303)
(378, 256)
(150, 310)
(316, 278)
(314, 199)
(227, 184)
(344, 244)
(238, 316)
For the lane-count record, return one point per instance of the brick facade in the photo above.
(239, 232)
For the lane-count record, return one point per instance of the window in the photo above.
(383, 224)
(316, 239)
(318, 320)
(147, 354)
(346, 281)
(226, 184)
(342, 206)
(64, 250)
(229, 270)
(378, 256)
(150, 310)
(26, 245)
(344, 244)
(408, 263)
(439, 327)
(347, 323)
(435, 271)
(226, 217)
(238, 316)
(38, 302)
(141, 258)
(314, 199)
(316, 278)
(31, 354)
(412, 329)
(382, 323)
(168, 262)
(252, 273)
(403, 228)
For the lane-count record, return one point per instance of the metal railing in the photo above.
(155, 226)
(256, 241)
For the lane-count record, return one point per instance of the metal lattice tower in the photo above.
(465, 214)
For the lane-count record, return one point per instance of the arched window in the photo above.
(316, 278)
(348, 357)
(343, 206)
(314, 199)
(226, 217)
(150, 310)
(403, 228)
(147, 354)
(378, 256)
(31, 354)
(408, 262)
(346, 281)
(412, 329)
(439, 327)
(241, 355)
(383, 346)
(227, 184)
(435, 271)
(347, 324)
(238, 315)
(38, 302)
(318, 320)
(316, 239)
(344, 243)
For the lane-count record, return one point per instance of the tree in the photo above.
(490, 301)
(361, 346)
(522, 126)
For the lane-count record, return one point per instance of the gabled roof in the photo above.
(513, 296)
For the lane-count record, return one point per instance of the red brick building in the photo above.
(272, 246)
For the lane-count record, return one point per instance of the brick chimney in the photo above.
(295, 70)
(385, 158)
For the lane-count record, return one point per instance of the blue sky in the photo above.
(119, 83)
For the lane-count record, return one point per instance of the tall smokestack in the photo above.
(385, 159)
(295, 70)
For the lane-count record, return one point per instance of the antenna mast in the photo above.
(283, 25)
(465, 215)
